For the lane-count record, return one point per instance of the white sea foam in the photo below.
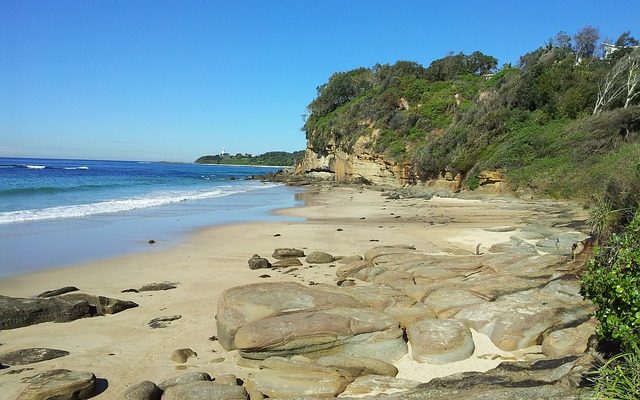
(36, 166)
(82, 167)
(119, 205)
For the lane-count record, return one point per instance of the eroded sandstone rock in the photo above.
(440, 341)
(59, 384)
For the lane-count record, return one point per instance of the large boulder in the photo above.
(59, 384)
(354, 331)
(440, 341)
(241, 305)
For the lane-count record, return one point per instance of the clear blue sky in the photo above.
(173, 80)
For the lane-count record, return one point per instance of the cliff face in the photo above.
(333, 164)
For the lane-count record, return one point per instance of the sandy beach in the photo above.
(123, 350)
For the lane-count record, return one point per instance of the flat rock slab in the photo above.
(58, 292)
(152, 287)
(204, 390)
(60, 384)
(163, 322)
(524, 380)
(375, 385)
(440, 341)
(31, 356)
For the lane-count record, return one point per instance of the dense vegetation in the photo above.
(564, 122)
(274, 158)
(538, 122)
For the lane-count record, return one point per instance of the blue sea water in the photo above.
(57, 212)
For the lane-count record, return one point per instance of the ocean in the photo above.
(56, 212)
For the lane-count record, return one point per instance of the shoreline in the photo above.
(68, 242)
(124, 350)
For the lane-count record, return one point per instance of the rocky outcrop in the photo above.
(19, 312)
(358, 166)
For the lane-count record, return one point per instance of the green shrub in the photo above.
(619, 378)
(612, 282)
(473, 182)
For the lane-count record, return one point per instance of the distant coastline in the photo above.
(278, 159)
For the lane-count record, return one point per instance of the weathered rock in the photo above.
(204, 390)
(287, 379)
(358, 366)
(182, 355)
(409, 312)
(347, 259)
(101, 305)
(151, 287)
(359, 332)
(520, 319)
(350, 269)
(569, 341)
(447, 302)
(440, 341)
(184, 378)
(282, 253)
(257, 262)
(226, 379)
(163, 322)
(58, 292)
(59, 384)
(287, 262)
(318, 257)
(31, 356)
(375, 252)
(17, 312)
(376, 385)
(525, 380)
(241, 305)
(145, 390)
